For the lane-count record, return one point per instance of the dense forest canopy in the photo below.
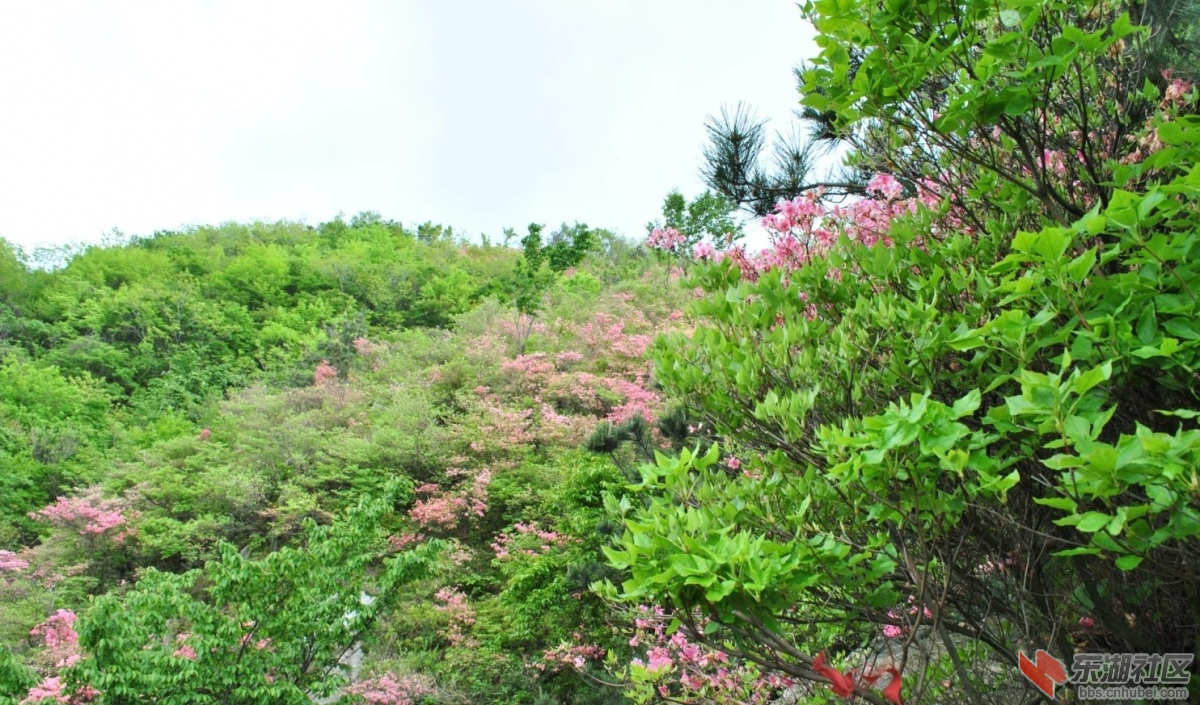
(945, 419)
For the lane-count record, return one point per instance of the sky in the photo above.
(481, 115)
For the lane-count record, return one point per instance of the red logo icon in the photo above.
(1045, 672)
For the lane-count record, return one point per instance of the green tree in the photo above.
(15, 678)
(538, 268)
(14, 276)
(969, 439)
(241, 630)
(54, 432)
(708, 216)
(969, 123)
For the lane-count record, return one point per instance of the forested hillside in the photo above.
(216, 399)
(947, 417)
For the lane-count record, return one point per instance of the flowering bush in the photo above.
(807, 227)
(58, 635)
(529, 539)
(453, 604)
(216, 630)
(61, 650)
(446, 509)
(90, 516)
(944, 395)
(666, 239)
(324, 374)
(392, 690)
(99, 529)
(11, 562)
(676, 667)
(52, 689)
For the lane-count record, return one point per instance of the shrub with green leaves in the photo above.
(271, 630)
(968, 439)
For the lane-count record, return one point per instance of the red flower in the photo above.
(841, 683)
(892, 691)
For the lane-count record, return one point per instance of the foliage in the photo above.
(734, 168)
(220, 395)
(164, 326)
(15, 678)
(947, 416)
(706, 217)
(529, 281)
(269, 630)
(968, 433)
(972, 96)
(53, 431)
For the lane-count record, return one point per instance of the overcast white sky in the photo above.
(481, 115)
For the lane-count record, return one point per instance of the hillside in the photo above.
(239, 385)
(935, 443)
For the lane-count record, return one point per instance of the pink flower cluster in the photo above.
(704, 251)
(666, 239)
(1179, 91)
(402, 542)
(51, 689)
(10, 562)
(542, 421)
(1179, 94)
(549, 415)
(393, 690)
(567, 358)
(446, 508)
(530, 372)
(995, 566)
(807, 227)
(636, 400)
(58, 635)
(687, 671)
(606, 332)
(570, 655)
(89, 515)
(895, 631)
(886, 186)
(260, 644)
(527, 539)
(551, 398)
(184, 650)
(365, 347)
(505, 428)
(453, 604)
(324, 374)
(58, 631)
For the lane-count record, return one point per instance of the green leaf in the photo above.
(1147, 327)
(1064, 503)
(1149, 202)
(1129, 562)
(1093, 522)
(966, 405)
(1182, 328)
(1081, 551)
(1181, 413)
(1085, 382)
(1081, 266)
